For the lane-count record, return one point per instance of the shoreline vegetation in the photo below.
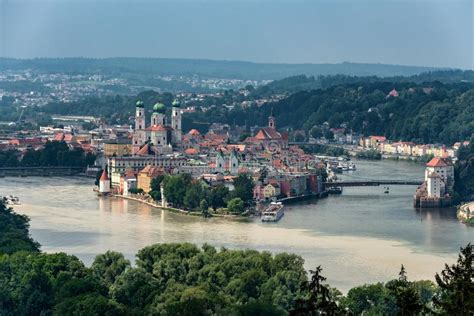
(183, 279)
(157, 205)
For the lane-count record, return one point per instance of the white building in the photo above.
(442, 167)
(104, 183)
(158, 133)
(435, 185)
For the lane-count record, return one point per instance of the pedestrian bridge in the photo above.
(370, 183)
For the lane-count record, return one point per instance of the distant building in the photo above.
(146, 175)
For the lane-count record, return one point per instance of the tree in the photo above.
(316, 132)
(457, 285)
(218, 196)
(236, 205)
(406, 296)
(243, 187)
(14, 231)
(175, 188)
(320, 299)
(108, 266)
(193, 196)
(204, 207)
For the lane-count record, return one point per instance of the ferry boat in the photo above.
(273, 212)
(10, 200)
(335, 190)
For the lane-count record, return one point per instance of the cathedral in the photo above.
(162, 135)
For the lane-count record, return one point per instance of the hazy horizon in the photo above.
(426, 33)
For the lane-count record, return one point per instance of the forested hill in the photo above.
(425, 113)
(302, 82)
(205, 68)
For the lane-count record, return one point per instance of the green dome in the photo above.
(140, 104)
(159, 108)
(176, 104)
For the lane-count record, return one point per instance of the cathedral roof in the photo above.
(157, 128)
(159, 108)
(140, 104)
(268, 133)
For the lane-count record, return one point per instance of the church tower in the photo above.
(158, 116)
(176, 123)
(271, 120)
(233, 163)
(139, 134)
(139, 116)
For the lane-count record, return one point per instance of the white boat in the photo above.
(273, 212)
(10, 200)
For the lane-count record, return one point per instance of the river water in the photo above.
(361, 236)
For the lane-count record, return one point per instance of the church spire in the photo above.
(271, 120)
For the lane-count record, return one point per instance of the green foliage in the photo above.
(218, 196)
(243, 187)
(456, 284)
(57, 153)
(109, 266)
(370, 154)
(464, 173)
(236, 205)
(155, 183)
(175, 187)
(204, 208)
(14, 235)
(136, 191)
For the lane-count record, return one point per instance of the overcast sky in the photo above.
(424, 32)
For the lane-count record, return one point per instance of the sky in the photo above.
(417, 32)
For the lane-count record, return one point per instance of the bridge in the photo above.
(40, 171)
(370, 183)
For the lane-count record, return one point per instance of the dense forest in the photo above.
(423, 113)
(464, 174)
(182, 279)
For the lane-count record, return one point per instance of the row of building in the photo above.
(381, 144)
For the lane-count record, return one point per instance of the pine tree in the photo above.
(457, 285)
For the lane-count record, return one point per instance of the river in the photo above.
(361, 236)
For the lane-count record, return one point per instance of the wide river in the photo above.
(358, 237)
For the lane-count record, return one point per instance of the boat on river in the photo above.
(273, 212)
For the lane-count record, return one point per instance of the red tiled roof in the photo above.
(191, 151)
(144, 151)
(437, 162)
(104, 176)
(156, 128)
(194, 132)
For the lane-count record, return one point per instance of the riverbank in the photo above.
(465, 213)
(177, 210)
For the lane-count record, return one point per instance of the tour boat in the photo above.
(273, 212)
(335, 190)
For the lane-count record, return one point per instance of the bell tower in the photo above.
(176, 123)
(271, 120)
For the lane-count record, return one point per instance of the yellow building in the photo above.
(118, 148)
(146, 175)
(271, 190)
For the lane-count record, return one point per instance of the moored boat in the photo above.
(273, 212)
